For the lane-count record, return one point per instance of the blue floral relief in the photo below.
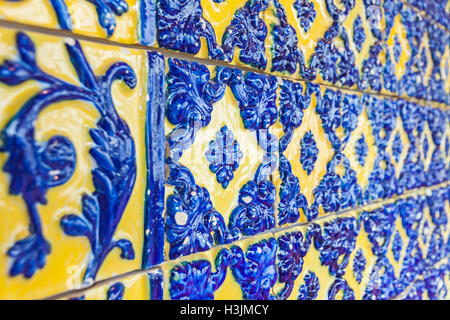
(256, 208)
(292, 103)
(381, 284)
(190, 98)
(397, 245)
(248, 32)
(308, 152)
(196, 280)
(340, 285)
(107, 10)
(291, 198)
(191, 218)
(359, 265)
(359, 35)
(361, 150)
(256, 271)
(286, 53)
(335, 242)
(116, 291)
(256, 94)
(180, 26)
(306, 13)
(380, 224)
(224, 156)
(292, 247)
(337, 190)
(310, 288)
(35, 167)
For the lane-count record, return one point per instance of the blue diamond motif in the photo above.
(308, 152)
(425, 146)
(224, 156)
(397, 147)
(305, 12)
(361, 150)
(359, 36)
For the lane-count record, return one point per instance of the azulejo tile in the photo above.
(74, 158)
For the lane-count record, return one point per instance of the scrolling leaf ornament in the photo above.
(36, 166)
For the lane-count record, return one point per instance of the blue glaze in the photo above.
(256, 94)
(147, 30)
(291, 198)
(156, 285)
(255, 212)
(189, 102)
(336, 192)
(255, 271)
(397, 245)
(359, 35)
(247, 31)
(190, 216)
(335, 242)
(291, 250)
(306, 13)
(35, 167)
(196, 280)
(224, 156)
(292, 103)
(359, 265)
(310, 288)
(286, 54)
(340, 285)
(381, 284)
(153, 252)
(308, 152)
(116, 291)
(180, 25)
(379, 224)
(361, 150)
(397, 49)
(397, 147)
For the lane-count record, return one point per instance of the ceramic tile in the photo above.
(143, 286)
(341, 149)
(220, 155)
(385, 47)
(377, 253)
(258, 152)
(113, 20)
(74, 150)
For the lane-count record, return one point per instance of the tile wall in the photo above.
(224, 149)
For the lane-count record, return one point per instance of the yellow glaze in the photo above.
(65, 265)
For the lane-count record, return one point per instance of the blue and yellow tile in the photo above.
(68, 107)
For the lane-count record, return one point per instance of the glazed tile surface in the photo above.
(282, 149)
